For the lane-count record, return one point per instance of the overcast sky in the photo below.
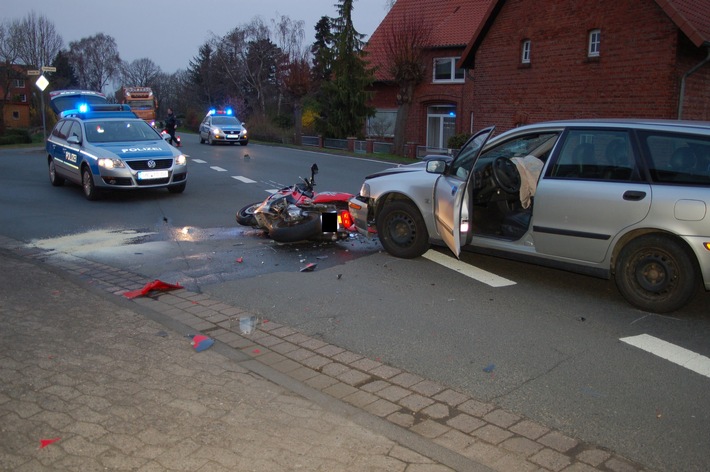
(170, 32)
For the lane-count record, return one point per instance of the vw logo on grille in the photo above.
(151, 164)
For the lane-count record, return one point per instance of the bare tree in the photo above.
(405, 43)
(10, 38)
(95, 60)
(40, 41)
(139, 73)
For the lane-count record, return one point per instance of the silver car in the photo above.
(108, 147)
(627, 199)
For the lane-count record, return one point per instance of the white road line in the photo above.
(272, 190)
(246, 180)
(676, 354)
(199, 161)
(467, 269)
(218, 169)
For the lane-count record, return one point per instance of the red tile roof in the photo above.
(452, 25)
(691, 16)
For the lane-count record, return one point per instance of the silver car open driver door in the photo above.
(450, 189)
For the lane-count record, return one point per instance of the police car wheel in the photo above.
(87, 183)
(55, 179)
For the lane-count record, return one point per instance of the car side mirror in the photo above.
(436, 166)
(73, 139)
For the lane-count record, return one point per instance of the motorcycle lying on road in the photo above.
(299, 213)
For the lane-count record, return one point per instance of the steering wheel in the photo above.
(506, 175)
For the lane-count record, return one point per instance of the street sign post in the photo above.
(41, 84)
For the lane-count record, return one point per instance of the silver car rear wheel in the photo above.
(656, 273)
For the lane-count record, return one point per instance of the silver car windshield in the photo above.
(119, 131)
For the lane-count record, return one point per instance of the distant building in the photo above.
(438, 101)
(16, 107)
(515, 62)
(576, 59)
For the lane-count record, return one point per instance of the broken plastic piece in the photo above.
(247, 324)
(240, 259)
(489, 368)
(309, 267)
(150, 286)
(46, 442)
(201, 342)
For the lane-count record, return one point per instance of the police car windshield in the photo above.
(225, 120)
(98, 131)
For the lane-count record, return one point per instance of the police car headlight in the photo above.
(181, 160)
(109, 163)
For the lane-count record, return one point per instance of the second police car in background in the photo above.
(221, 126)
(108, 147)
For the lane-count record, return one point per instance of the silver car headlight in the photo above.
(365, 190)
(111, 163)
(181, 160)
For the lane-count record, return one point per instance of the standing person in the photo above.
(170, 125)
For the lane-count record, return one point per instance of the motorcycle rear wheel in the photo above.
(308, 228)
(245, 216)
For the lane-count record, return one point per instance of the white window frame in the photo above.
(525, 52)
(595, 39)
(452, 71)
(23, 98)
(19, 83)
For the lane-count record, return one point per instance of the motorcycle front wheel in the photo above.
(245, 216)
(307, 228)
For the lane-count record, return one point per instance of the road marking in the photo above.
(272, 190)
(199, 161)
(467, 269)
(676, 354)
(218, 169)
(246, 180)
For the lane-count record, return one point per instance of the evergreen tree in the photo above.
(344, 98)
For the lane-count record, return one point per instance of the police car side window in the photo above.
(55, 131)
(75, 131)
(65, 129)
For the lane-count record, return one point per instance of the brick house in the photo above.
(439, 99)
(572, 58)
(579, 59)
(16, 99)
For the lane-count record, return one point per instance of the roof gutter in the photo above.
(681, 99)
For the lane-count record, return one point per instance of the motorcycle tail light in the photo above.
(345, 219)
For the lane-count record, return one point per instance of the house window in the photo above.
(23, 98)
(525, 52)
(595, 37)
(382, 124)
(445, 70)
(19, 83)
(441, 125)
(15, 115)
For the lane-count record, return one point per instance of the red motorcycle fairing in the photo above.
(329, 197)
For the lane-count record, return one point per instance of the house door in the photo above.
(441, 125)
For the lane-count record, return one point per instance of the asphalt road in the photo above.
(548, 346)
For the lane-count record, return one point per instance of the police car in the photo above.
(221, 126)
(108, 147)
